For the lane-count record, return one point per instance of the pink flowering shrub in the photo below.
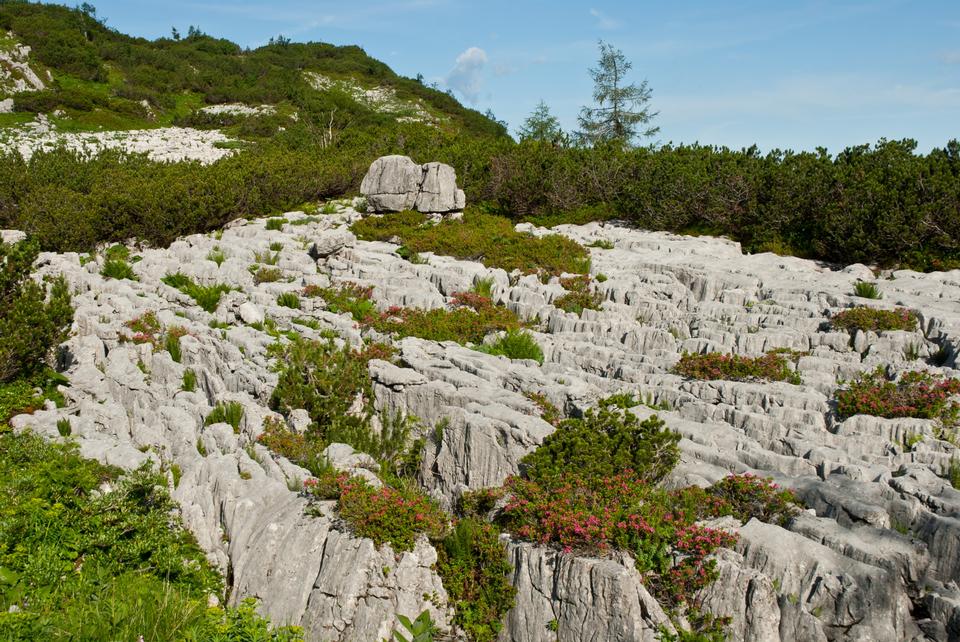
(873, 319)
(383, 514)
(916, 394)
(773, 366)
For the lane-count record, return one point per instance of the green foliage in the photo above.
(579, 296)
(601, 244)
(207, 297)
(515, 344)
(749, 497)
(548, 412)
(34, 319)
(171, 342)
(473, 565)
(621, 113)
(542, 126)
(606, 442)
(103, 565)
(64, 427)
(478, 236)
(420, 630)
(289, 300)
(483, 288)
(915, 394)
(874, 320)
(230, 412)
(118, 269)
(20, 395)
(866, 290)
(773, 366)
(276, 223)
(953, 473)
(217, 256)
(267, 275)
(388, 515)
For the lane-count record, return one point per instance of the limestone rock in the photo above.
(396, 183)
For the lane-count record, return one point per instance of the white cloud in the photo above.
(604, 21)
(466, 76)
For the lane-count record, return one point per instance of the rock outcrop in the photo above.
(396, 183)
(875, 556)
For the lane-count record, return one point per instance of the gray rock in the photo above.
(396, 183)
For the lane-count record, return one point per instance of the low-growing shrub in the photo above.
(915, 394)
(478, 236)
(872, 319)
(773, 366)
(207, 297)
(289, 300)
(106, 564)
(347, 297)
(749, 497)
(515, 344)
(579, 296)
(267, 275)
(388, 515)
(866, 290)
(606, 442)
(548, 412)
(34, 318)
(230, 412)
(473, 565)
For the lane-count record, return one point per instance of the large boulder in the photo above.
(396, 183)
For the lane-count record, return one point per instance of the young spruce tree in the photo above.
(622, 112)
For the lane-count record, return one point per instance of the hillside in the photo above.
(94, 77)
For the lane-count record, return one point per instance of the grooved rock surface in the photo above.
(396, 183)
(875, 556)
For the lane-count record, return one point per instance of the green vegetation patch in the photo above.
(914, 394)
(206, 296)
(515, 344)
(114, 564)
(579, 296)
(773, 366)
(874, 320)
(478, 237)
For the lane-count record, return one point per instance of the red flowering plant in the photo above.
(875, 320)
(385, 514)
(773, 366)
(914, 394)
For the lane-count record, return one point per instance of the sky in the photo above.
(781, 75)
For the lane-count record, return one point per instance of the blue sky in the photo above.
(779, 74)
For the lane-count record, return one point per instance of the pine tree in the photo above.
(542, 126)
(622, 112)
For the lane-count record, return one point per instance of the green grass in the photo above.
(866, 290)
(78, 563)
(478, 237)
(230, 413)
(207, 297)
(189, 383)
(118, 269)
(289, 300)
(515, 344)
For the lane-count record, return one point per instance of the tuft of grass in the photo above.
(483, 287)
(267, 258)
(275, 223)
(515, 344)
(866, 290)
(189, 383)
(118, 269)
(230, 412)
(64, 427)
(289, 300)
(217, 256)
(601, 244)
(276, 246)
(207, 297)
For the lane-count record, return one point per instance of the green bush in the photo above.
(267, 275)
(515, 344)
(275, 223)
(773, 366)
(478, 236)
(579, 296)
(874, 320)
(34, 319)
(112, 564)
(473, 565)
(118, 269)
(915, 394)
(606, 442)
(385, 514)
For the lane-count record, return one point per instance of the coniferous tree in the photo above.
(622, 112)
(542, 126)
